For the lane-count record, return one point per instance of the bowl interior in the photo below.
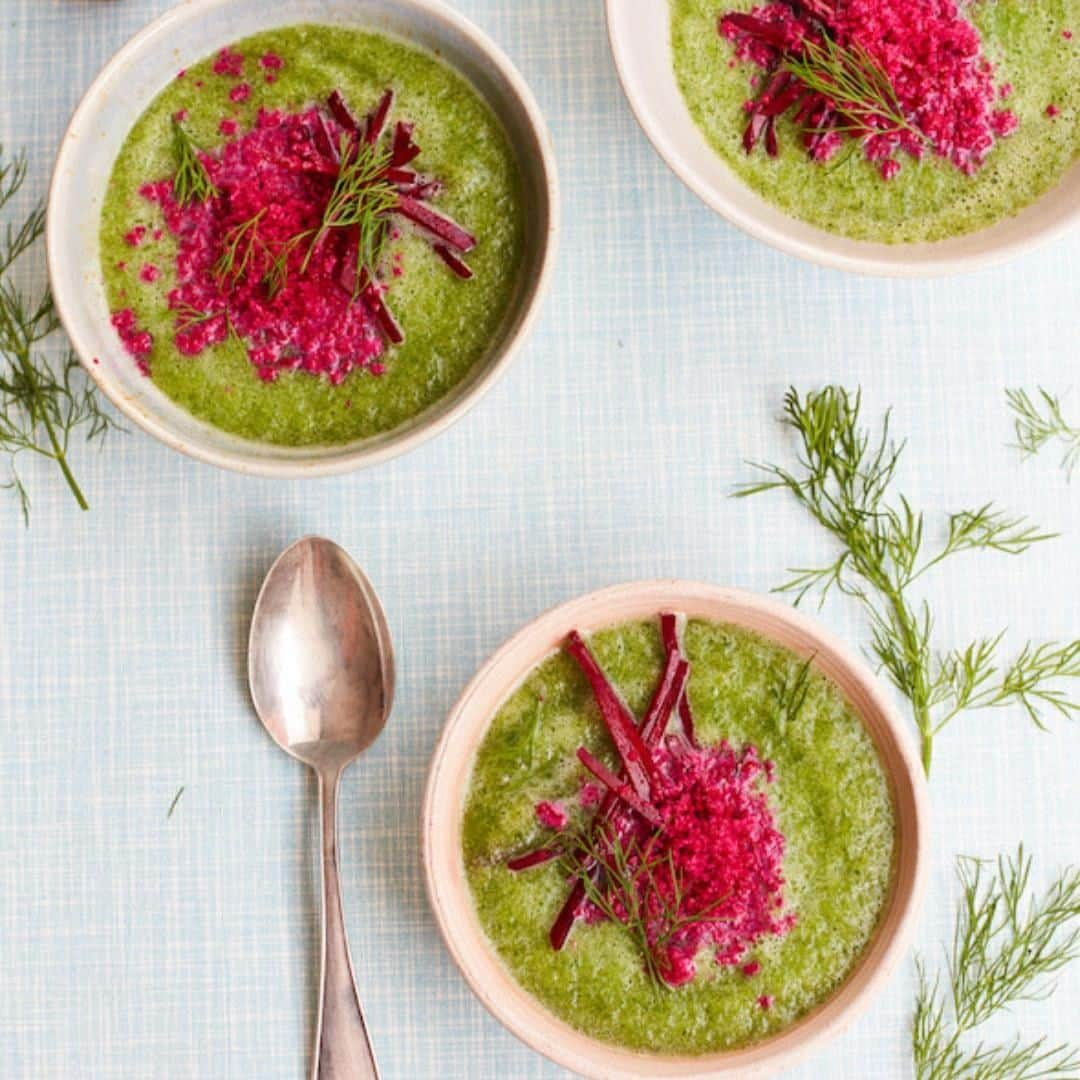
(116, 100)
(448, 781)
(640, 36)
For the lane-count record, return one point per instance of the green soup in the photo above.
(927, 200)
(448, 323)
(830, 798)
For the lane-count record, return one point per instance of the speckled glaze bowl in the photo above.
(640, 36)
(448, 782)
(118, 97)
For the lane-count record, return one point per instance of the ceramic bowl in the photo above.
(116, 100)
(448, 780)
(640, 36)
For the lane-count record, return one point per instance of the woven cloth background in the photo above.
(132, 945)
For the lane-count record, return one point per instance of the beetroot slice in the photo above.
(564, 921)
(446, 230)
(619, 787)
(634, 754)
(659, 711)
(532, 858)
(670, 633)
(458, 266)
(387, 323)
(403, 149)
(342, 113)
(376, 120)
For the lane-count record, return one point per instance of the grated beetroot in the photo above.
(272, 185)
(229, 63)
(240, 92)
(930, 53)
(137, 342)
(551, 815)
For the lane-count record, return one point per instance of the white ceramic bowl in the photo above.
(448, 781)
(116, 100)
(640, 35)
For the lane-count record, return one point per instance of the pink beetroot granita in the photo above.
(908, 75)
(269, 254)
(682, 847)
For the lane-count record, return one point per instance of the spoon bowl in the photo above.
(321, 665)
(321, 672)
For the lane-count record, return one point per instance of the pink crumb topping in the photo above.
(180, 115)
(135, 236)
(750, 969)
(228, 127)
(271, 61)
(149, 273)
(589, 795)
(720, 838)
(240, 92)
(181, 73)
(377, 368)
(1067, 35)
(551, 815)
(228, 63)
(270, 77)
(281, 170)
(1052, 111)
(930, 52)
(765, 1001)
(137, 342)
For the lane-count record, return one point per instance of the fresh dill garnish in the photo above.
(176, 799)
(1006, 943)
(191, 182)
(844, 482)
(622, 881)
(238, 250)
(362, 200)
(857, 85)
(43, 402)
(1039, 423)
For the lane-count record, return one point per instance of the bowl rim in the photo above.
(332, 459)
(449, 899)
(819, 252)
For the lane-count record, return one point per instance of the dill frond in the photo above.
(1037, 423)
(363, 200)
(1006, 945)
(191, 182)
(844, 480)
(42, 403)
(855, 82)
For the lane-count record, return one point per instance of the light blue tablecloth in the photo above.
(132, 945)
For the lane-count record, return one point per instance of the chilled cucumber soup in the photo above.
(448, 323)
(830, 797)
(928, 200)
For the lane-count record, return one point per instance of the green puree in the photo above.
(448, 323)
(931, 200)
(830, 798)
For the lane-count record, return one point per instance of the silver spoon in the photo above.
(321, 671)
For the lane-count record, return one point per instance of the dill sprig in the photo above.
(362, 200)
(42, 403)
(192, 182)
(238, 251)
(1038, 423)
(1006, 943)
(623, 881)
(856, 84)
(844, 482)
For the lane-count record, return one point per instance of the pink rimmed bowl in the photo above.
(639, 32)
(448, 781)
(116, 99)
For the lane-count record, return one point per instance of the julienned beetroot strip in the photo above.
(533, 858)
(634, 754)
(342, 113)
(376, 121)
(458, 266)
(442, 227)
(618, 787)
(669, 631)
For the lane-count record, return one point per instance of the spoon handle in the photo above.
(342, 1047)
